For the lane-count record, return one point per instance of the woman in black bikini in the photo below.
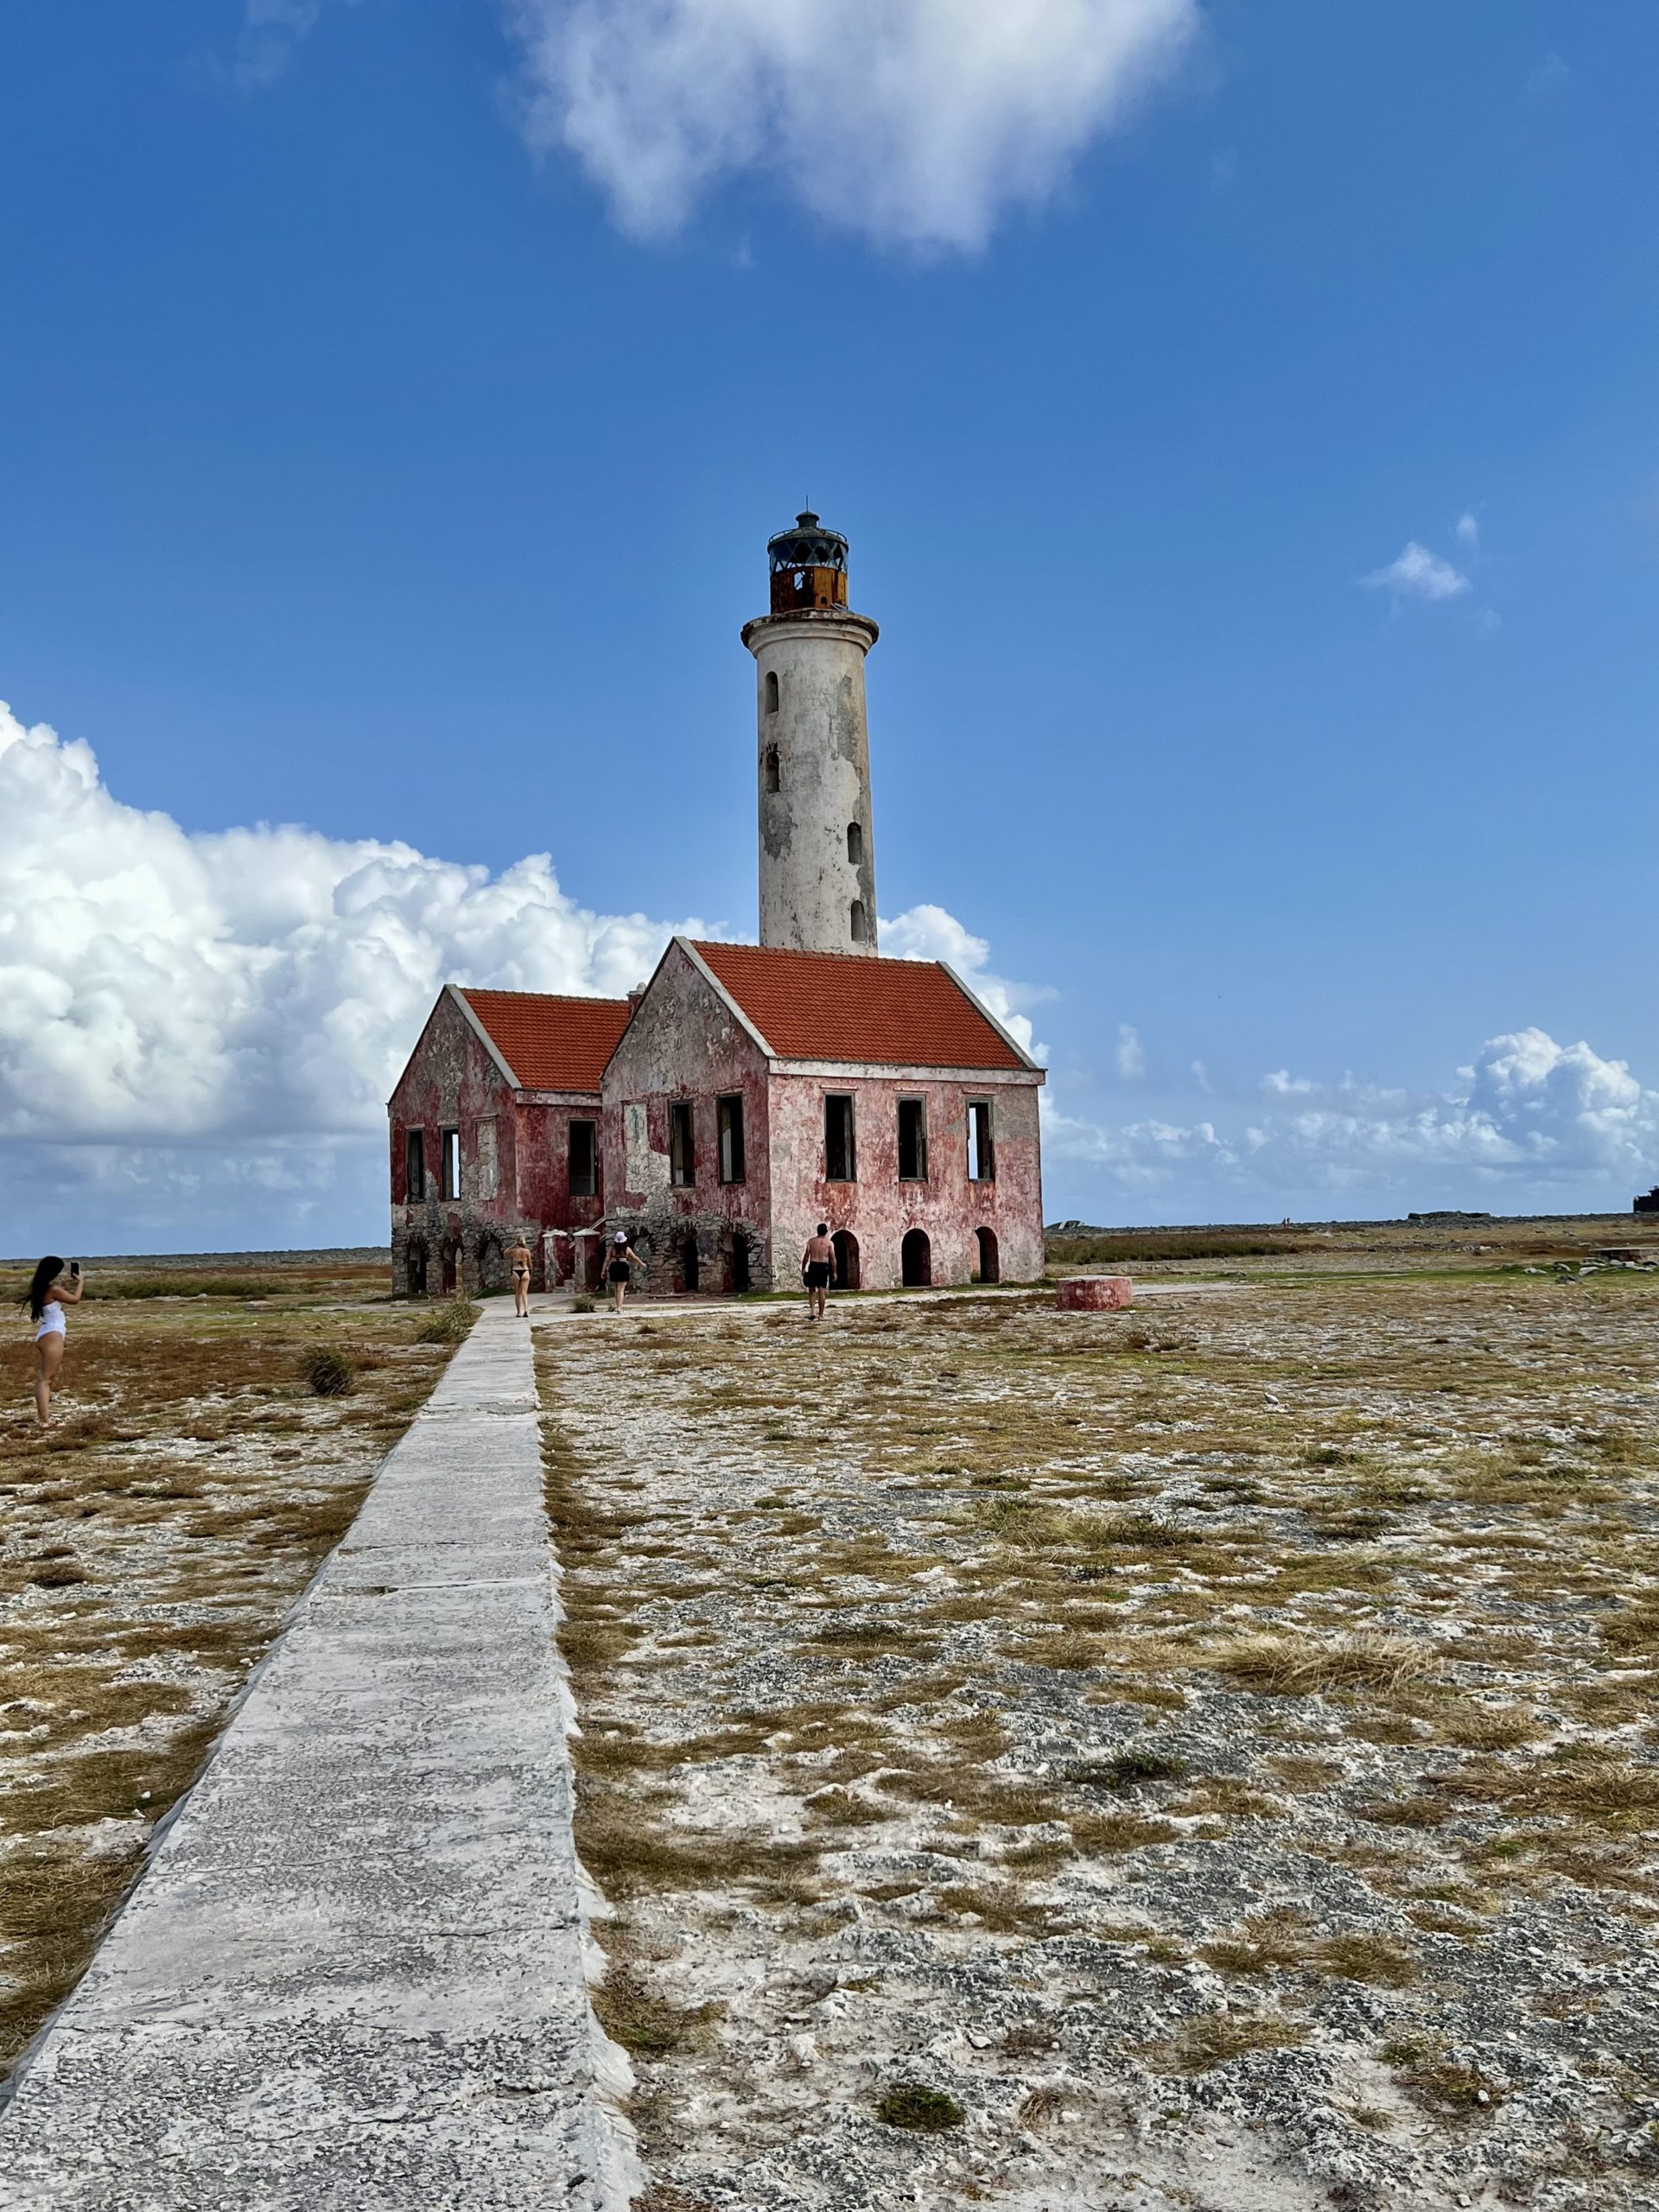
(624, 1260)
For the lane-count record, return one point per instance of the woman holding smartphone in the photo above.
(45, 1298)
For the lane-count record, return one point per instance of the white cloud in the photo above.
(1530, 1116)
(1129, 1055)
(1468, 530)
(272, 31)
(257, 984)
(912, 121)
(1418, 574)
(930, 933)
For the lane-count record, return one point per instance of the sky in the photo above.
(1243, 420)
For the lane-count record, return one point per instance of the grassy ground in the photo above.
(1205, 1748)
(152, 1541)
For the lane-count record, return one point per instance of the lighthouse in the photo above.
(812, 765)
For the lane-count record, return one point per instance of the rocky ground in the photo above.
(149, 1545)
(1199, 1757)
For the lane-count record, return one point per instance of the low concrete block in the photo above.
(1095, 1293)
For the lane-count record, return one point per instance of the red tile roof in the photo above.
(552, 1044)
(850, 1006)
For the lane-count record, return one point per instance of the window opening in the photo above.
(981, 1156)
(855, 843)
(912, 1141)
(740, 1260)
(584, 1159)
(681, 1152)
(839, 1141)
(771, 691)
(729, 1118)
(449, 1143)
(415, 1263)
(774, 780)
(448, 1265)
(990, 1266)
(415, 1167)
(916, 1260)
(689, 1268)
(858, 921)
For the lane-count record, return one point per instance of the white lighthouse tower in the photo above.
(817, 852)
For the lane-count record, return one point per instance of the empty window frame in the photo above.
(855, 843)
(414, 1165)
(840, 1140)
(681, 1148)
(771, 773)
(982, 1153)
(729, 1116)
(912, 1141)
(584, 1159)
(771, 691)
(449, 1144)
(858, 927)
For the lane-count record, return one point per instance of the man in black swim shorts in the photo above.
(817, 1266)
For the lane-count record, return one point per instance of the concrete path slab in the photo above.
(351, 1975)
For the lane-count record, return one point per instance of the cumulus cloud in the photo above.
(912, 121)
(1129, 1055)
(930, 933)
(161, 988)
(1529, 1115)
(1418, 574)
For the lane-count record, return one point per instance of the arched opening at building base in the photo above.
(916, 1260)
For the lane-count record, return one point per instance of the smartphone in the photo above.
(74, 1270)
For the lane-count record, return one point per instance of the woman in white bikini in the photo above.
(46, 1299)
(519, 1261)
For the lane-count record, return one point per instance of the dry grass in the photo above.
(152, 1542)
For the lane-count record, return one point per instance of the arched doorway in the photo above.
(450, 1263)
(740, 1260)
(846, 1246)
(414, 1267)
(915, 1260)
(991, 1265)
(690, 1270)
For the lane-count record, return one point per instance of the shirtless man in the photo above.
(817, 1267)
(519, 1265)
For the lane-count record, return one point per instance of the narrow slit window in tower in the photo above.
(771, 691)
(855, 843)
(858, 921)
(414, 1167)
(773, 780)
(840, 1140)
(681, 1156)
(450, 1152)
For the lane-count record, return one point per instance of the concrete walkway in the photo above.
(351, 1974)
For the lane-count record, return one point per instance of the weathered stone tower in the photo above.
(818, 851)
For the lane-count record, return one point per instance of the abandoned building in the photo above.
(1650, 1204)
(745, 1092)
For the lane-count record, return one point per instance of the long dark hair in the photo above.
(45, 1275)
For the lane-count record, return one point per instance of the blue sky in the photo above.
(1243, 419)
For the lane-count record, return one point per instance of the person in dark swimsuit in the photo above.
(818, 1269)
(620, 1273)
(519, 1261)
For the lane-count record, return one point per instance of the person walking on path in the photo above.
(45, 1298)
(818, 1266)
(620, 1273)
(519, 1261)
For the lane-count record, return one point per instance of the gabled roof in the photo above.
(551, 1043)
(852, 1006)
